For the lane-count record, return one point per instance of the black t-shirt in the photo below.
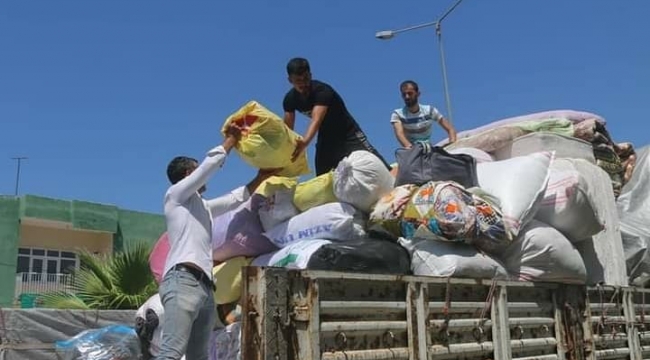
(338, 127)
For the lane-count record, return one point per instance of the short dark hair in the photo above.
(409, 82)
(298, 66)
(178, 168)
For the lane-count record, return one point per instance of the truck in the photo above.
(309, 315)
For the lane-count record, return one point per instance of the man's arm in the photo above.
(317, 117)
(290, 119)
(184, 189)
(449, 128)
(289, 111)
(399, 130)
(228, 202)
(323, 97)
(232, 200)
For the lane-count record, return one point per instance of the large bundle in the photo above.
(634, 213)
(573, 116)
(293, 256)
(334, 221)
(239, 233)
(266, 143)
(519, 184)
(567, 205)
(366, 255)
(361, 179)
(443, 259)
(315, 192)
(498, 138)
(541, 253)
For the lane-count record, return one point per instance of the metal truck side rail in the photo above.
(307, 315)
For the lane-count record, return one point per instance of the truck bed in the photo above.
(291, 314)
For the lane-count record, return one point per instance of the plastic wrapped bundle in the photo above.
(634, 212)
(115, 342)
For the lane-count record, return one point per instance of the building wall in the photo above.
(9, 236)
(41, 222)
(65, 239)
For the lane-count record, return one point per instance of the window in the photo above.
(41, 261)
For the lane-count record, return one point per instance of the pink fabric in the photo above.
(239, 233)
(158, 257)
(571, 115)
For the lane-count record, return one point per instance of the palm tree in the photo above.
(116, 282)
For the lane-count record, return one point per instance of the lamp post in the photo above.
(18, 159)
(389, 34)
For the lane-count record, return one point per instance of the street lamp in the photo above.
(389, 34)
(18, 159)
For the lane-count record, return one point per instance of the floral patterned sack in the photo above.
(446, 211)
(387, 214)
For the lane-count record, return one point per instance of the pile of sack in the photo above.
(499, 137)
(485, 207)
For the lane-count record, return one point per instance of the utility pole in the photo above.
(19, 160)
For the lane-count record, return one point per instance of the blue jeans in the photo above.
(190, 314)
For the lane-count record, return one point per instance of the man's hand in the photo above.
(300, 147)
(234, 130)
(267, 173)
(233, 135)
(262, 175)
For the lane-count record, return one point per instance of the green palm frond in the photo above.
(97, 265)
(120, 281)
(63, 300)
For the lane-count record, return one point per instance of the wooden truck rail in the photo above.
(290, 314)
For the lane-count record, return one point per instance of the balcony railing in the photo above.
(37, 283)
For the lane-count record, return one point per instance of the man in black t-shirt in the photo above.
(338, 132)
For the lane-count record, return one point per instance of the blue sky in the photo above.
(100, 95)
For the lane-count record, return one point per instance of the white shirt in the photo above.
(189, 216)
(417, 126)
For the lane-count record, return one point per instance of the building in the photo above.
(39, 237)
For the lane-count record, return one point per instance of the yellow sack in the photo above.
(315, 192)
(275, 183)
(267, 143)
(227, 278)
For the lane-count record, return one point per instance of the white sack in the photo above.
(567, 205)
(361, 179)
(333, 221)
(293, 256)
(444, 259)
(519, 184)
(154, 303)
(543, 254)
(277, 209)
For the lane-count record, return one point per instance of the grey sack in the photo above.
(423, 163)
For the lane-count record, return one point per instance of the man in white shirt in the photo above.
(414, 122)
(187, 289)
